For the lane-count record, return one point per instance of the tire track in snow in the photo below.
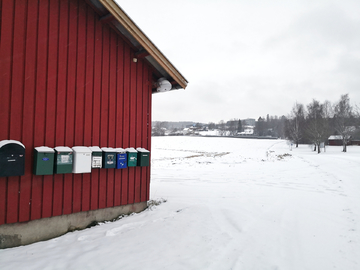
(229, 255)
(194, 155)
(333, 178)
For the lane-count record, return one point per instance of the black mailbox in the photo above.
(108, 158)
(12, 158)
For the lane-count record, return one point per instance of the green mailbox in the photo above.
(44, 160)
(131, 157)
(143, 158)
(63, 159)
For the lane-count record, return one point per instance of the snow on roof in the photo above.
(44, 149)
(4, 142)
(143, 150)
(108, 149)
(337, 137)
(95, 148)
(81, 149)
(63, 149)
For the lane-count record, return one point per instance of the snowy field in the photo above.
(230, 204)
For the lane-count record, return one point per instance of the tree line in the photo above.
(315, 122)
(310, 124)
(305, 124)
(272, 126)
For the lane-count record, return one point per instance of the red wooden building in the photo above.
(74, 73)
(337, 140)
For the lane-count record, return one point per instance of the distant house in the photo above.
(355, 142)
(337, 140)
(248, 130)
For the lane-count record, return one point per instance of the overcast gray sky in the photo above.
(245, 59)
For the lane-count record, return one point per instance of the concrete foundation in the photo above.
(17, 234)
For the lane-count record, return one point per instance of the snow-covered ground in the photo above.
(230, 204)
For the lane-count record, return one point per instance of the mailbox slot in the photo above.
(12, 158)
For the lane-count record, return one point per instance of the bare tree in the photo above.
(211, 125)
(328, 113)
(342, 117)
(316, 124)
(260, 127)
(239, 126)
(159, 129)
(232, 126)
(357, 113)
(222, 128)
(296, 123)
(279, 125)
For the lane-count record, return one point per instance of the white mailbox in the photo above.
(82, 159)
(96, 157)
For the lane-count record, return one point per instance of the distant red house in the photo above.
(355, 142)
(74, 73)
(337, 140)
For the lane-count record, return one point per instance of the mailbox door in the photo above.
(121, 161)
(109, 160)
(82, 162)
(143, 158)
(64, 162)
(132, 159)
(12, 160)
(43, 163)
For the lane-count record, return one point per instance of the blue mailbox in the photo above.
(121, 158)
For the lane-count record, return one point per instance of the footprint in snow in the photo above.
(123, 228)
(85, 237)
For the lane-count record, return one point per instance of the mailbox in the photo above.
(108, 158)
(131, 157)
(143, 158)
(44, 160)
(121, 158)
(96, 157)
(82, 159)
(12, 158)
(63, 159)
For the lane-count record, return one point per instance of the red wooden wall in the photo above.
(67, 79)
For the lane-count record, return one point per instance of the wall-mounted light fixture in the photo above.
(163, 85)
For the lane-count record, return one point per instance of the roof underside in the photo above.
(111, 13)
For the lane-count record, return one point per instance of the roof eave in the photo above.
(144, 41)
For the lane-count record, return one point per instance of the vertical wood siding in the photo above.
(68, 79)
